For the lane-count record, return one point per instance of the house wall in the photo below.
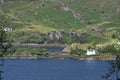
(91, 52)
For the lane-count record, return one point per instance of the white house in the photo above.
(91, 52)
(118, 42)
(7, 29)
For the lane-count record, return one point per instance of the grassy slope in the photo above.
(45, 16)
(49, 13)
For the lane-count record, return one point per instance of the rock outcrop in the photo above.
(60, 37)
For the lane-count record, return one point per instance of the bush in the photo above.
(78, 52)
(32, 51)
(68, 39)
(109, 49)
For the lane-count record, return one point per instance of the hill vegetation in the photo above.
(62, 14)
(31, 19)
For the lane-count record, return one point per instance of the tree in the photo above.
(2, 34)
(77, 51)
(2, 39)
(114, 70)
(113, 36)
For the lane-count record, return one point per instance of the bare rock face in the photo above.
(81, 38)
(54, 35)
(59, 36)
(64, 7)
(76, 14)
(2, 1)
(98, 30)
(118, 9)
(117, 35)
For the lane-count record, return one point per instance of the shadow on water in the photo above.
(1, 72)
(114, 70)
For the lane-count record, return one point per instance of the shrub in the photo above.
(78, 51)
(109, 49)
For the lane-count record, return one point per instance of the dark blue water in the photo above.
(49, 49)
(53, 69)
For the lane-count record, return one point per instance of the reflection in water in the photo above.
(1, 64)
(114, 71)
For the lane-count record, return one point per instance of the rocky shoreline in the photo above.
(62, 56)
(94, 57)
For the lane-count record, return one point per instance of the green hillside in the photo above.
(29, 18)
(62, 14)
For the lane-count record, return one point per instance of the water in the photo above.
(53, 69)
(49, 49)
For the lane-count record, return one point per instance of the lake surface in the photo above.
(49, 49)
(53, 69)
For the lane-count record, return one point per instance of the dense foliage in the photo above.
(78, 52)
(114, 49)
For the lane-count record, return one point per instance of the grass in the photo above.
(45, 16)
(30, 51)
(79, 46)
(50, 14)
(39, 28)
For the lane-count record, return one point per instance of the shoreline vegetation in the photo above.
(62, 56)
(77, 26)
(40, 52)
